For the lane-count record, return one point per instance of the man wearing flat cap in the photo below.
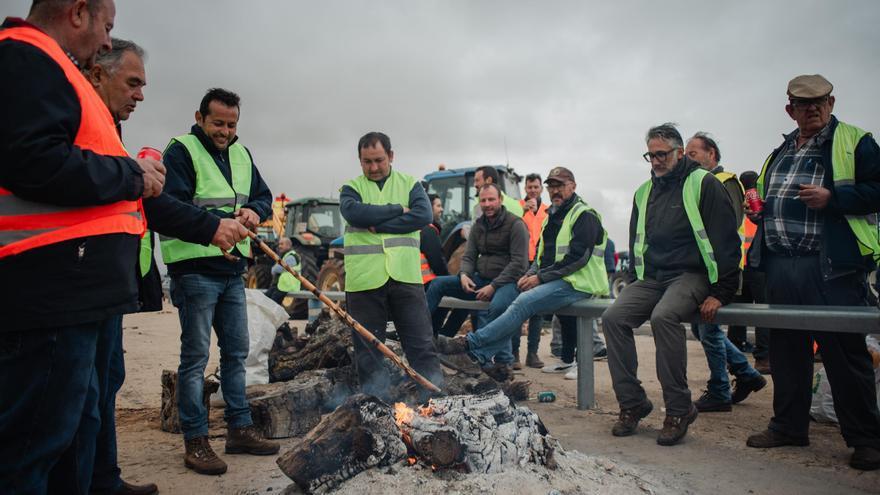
(816, 241)
(569, 266)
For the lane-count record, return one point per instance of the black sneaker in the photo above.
(708, 403)
(601, 354)
(628, 419)
(742, 387)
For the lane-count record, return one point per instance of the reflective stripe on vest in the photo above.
(212, 192)
(25, 224)
(370, 258)
(741, 230)
(592, 277)
(690, 195)
(843, 167)
(286, 281)
(145, 258)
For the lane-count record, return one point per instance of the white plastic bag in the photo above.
(264, 316)
(822, 406)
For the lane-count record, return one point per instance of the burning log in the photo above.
(169, 417)
(358, 435)
(483, 433)
(291, 409)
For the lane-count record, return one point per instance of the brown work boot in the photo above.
(533, 361)
(248, 440)
(629, 419)
(742, 387)
(675, 427)
(200, 457)
(769, 439)
(517, 364)
(130, 489)
(763, 366)
(499, 372)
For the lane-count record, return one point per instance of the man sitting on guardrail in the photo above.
(686, 248)
(569, 266)
(816, 241)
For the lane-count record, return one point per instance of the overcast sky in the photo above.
(562, 83)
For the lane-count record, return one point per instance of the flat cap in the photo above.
(809, 86)
(559, 174)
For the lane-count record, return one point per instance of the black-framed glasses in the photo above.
(660, 155)
(805, 103)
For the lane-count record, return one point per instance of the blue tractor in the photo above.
(455, 187)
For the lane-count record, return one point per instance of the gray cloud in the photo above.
(571, 83)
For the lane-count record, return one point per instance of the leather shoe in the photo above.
(769, 439)
(865, 458)
(130, 489)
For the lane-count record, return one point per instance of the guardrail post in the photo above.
(586, 385)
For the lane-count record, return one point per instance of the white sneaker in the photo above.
(558, 367)
(572, 373)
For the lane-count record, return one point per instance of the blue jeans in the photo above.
(203, 301)
(721, 352)
(494, 338)
(48, 409)
(110, 367)
(450, 285)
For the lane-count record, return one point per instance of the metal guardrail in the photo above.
(851, 319)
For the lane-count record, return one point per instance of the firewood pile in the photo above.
(479, 434)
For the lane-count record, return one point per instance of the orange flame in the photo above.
(412, 460)
(426, 411)
(403, 414)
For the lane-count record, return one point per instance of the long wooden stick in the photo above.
(364, 333)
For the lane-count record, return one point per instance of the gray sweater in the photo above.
(498, 250)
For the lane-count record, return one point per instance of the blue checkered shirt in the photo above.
(789, 226)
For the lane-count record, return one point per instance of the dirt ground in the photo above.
(712, 459)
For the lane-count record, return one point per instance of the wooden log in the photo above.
(169, 417)
(329, 340)
(292, 408)
(360, 434)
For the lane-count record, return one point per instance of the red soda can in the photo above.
(756, 204)
(147, 152)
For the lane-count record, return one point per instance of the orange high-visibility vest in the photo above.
(750, 229)
(535, 223)
(26, 225)
(427, 273)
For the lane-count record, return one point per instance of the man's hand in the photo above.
(754, 216)
(228, 233)
(247, 217)
(467, 284)
(531, 204)
(709, 308)
(527, 282)
(486, 293)
(405, 210)
(154, 176)
(815, 197)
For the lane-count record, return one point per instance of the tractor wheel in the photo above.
(332, 275)
(454, 263)
(619, 281)
(259, 277)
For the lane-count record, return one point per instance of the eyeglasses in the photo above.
(803, 104)
(660, 155)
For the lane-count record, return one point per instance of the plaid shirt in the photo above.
(789, 225)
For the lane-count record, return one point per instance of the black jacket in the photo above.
(497, 250)
(672, 249)
(180, 183)
(429, 244)
(839, 253)
(586, 233)
(79, 280)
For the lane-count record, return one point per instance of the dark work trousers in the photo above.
(667, 303)
(407, 308)
(752, 292)
(48, 409)
(110, 366)
(568, 327)
(798, 280)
